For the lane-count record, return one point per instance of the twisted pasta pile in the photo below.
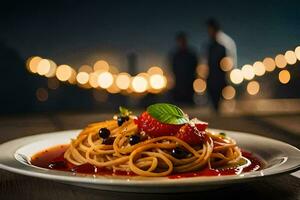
(149, 157)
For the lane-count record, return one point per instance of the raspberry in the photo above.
(191, 135)
(155, 128)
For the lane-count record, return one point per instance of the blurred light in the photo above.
(32, 63)
(226, 64)
(85, 68)
(82, 77)
(228, 92)
(93, 80)
(269, 64)
(113, 69)
(284, 76)
(139, 84)
(280, 61)
(63, 72)
(290, 57)
(236, 76)
(155, 70)
(123, 81)
(253, 87)
(42, 94)
(43, 67)
(101, 65)
(259, 68)
(52, 70)
(105, 79)
(53, 83)
(248, 72)
(170, 81)
(199, 85)
(297, 52)
(157, 81)
(113, 89)
(100, 96)
(202, 71)
(72, 79)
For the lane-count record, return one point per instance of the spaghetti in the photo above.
(151, 156)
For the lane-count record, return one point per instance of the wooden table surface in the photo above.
(14, 186)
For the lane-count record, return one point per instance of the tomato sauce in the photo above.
(53, 158)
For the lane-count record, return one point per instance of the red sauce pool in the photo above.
(53, 158)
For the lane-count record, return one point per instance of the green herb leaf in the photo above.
(124, 111)
(167, 113)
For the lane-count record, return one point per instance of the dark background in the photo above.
(80, 32)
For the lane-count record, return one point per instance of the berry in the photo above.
(191, 135)
(179, 153)
(122, 119)
(134, 139)
(104, 133)
(201, 125)
(155, 128)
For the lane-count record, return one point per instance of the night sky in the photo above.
(80, 32)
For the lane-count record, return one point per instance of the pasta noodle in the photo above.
(151, 157)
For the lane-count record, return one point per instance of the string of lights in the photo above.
(100, 76)
(247, 73)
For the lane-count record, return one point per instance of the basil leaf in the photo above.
(167, 113)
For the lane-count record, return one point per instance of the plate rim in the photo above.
(163, 181)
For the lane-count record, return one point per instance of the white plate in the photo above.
(279, 157)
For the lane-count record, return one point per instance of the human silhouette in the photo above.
(224, 39)
(183, 63)
(216, 79)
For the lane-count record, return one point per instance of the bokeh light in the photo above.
(63, 72)
(42, 94)
(236, 76)
(53, 83)
(43, 67)
(269, 64)
(284, 76)
(105, 80)
(82, 77)
(32, 63)
(297, 52)
(93, 80)
(253, 87)
(202, 70)
(139, 84)
(123, 81)
(113, 89)
(101, 65)
(72, 79)
(290, 57)
(248, 72)
(226, 64)
(228, 92)
(199, 85)
(52, 70)
(259, 68)
(155, 70)
(280, 61)
(85, 68)
(157, 81)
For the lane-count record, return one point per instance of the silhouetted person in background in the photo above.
(224, 40)
(216, 79)
(183, 63)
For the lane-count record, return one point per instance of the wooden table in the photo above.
(14, 186)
